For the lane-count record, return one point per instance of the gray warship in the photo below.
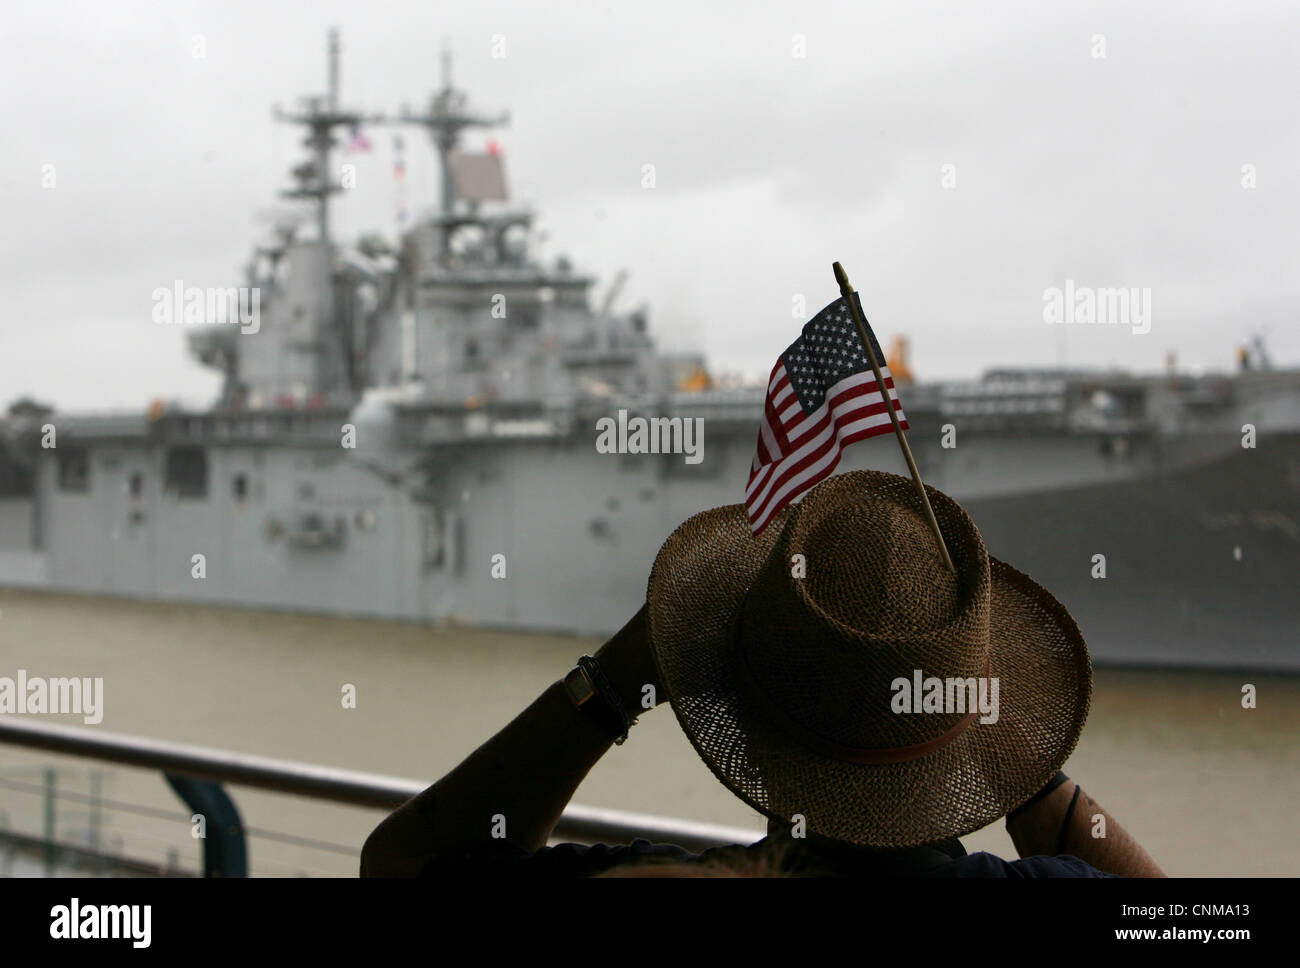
(410, 432)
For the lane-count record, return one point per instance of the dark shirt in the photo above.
(803, 858)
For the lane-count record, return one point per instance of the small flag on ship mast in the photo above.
(358, 141)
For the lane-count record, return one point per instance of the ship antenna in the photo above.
(334, 69)
(320, 116)
(448, 115)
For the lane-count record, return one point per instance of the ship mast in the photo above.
(320, 116)
(448, 115)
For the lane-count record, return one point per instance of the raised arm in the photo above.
(526, 773)
(1043, 829)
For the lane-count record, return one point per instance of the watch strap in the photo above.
(602, 705)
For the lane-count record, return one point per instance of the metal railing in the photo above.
(352, 787)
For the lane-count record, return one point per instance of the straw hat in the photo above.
(787, 685)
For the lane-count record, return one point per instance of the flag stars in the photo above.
(829, 349)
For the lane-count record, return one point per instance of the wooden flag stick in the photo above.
(846, 291)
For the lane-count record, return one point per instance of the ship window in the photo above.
(239, 487)
(74, 470)
(136, 485)
(187, 471)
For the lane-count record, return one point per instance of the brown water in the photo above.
(1207, 787)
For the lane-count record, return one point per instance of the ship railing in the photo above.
(196, 774)
(1090, 421)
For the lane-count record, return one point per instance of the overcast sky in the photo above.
(1122, 170)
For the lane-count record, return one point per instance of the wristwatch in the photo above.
(583, 689)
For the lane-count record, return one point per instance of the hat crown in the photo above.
(855, 596)
(873, 566)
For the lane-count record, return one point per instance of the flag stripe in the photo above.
(767, 441)
(849, 395)
(840, 394)
(791, 474)
(816, 470)
(777, 472)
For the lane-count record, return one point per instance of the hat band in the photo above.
(878, 756)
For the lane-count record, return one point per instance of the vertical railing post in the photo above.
(50, 851)
(96, 778)
(225, 853)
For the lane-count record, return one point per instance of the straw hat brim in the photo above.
(695, 592)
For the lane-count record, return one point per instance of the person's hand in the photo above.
(628, 663)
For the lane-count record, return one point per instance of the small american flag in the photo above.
(822, 396)
(358, 141)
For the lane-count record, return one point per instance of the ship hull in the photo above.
(1167, 552)
(1200, 564)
